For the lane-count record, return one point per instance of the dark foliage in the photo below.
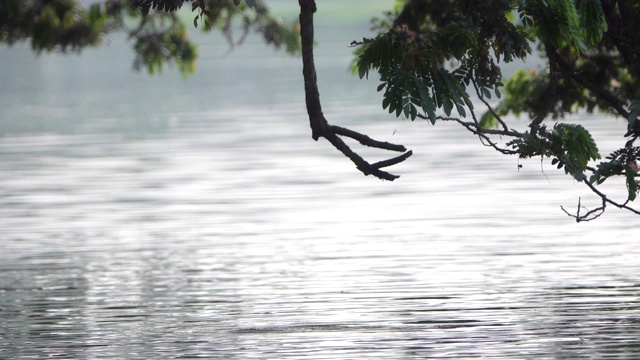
(161, 5)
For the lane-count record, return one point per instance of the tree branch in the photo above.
(595, 213)
(366, 140)
(319, 125)
(605, 198)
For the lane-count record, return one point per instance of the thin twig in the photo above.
(590, 215)
(491, 110)
(483, 133)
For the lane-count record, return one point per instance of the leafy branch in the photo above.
(428, 58)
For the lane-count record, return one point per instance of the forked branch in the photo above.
(320, 127)
(593, 214)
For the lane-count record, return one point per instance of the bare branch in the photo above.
(366, 140)
(604, 197)
(362, 165)
(595, 213)
(590, 215)
(392, 161)
(319, 125)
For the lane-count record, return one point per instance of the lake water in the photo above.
(155, 217)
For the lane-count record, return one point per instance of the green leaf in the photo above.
(604, 170)
(485, 93)
(447, 104)
(386, 101)
(577, 147)
(453, 93)
(592, 21)
(251, 3)
(460, 109)
(579, 176)
(557, 22)
(413, 112)
(363, 70)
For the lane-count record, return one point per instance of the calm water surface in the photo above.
(162, 218)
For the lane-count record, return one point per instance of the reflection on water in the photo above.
(155, 218)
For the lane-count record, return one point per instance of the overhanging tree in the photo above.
(592, 52)
(158, 37)
(432, 58)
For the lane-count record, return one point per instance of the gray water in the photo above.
(155, 217)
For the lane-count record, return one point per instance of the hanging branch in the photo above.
(320, 127)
